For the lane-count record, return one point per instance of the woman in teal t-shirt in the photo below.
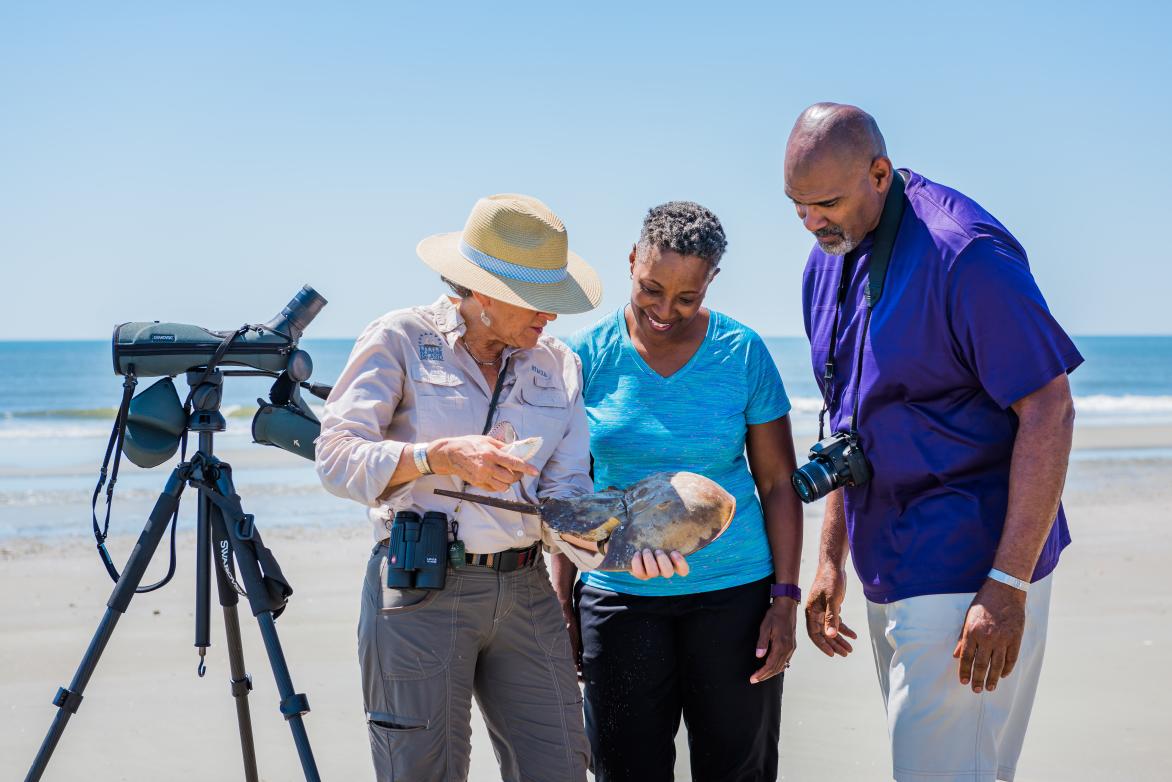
(671, 385)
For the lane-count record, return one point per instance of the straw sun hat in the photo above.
(513, 248)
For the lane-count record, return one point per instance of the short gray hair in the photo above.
(457, 288)
(684, 227)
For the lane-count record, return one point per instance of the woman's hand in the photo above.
(479, 460)
(649, 564)
(570, 617)
(577, 542)
(777, 639)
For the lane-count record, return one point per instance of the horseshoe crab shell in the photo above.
(679, 511)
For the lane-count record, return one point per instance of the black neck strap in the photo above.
(880, 257)
(496, 394)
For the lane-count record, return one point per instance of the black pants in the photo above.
(647, 660)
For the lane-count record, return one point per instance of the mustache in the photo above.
(823, 233)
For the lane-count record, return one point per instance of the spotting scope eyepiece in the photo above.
(157, 349)
(298, 313)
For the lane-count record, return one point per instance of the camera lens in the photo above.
(813, 481)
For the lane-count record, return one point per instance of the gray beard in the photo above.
(841, 246)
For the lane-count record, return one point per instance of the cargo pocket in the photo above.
(401, 748)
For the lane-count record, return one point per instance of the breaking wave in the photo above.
(96, 422)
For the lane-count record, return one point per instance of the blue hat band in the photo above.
(512, 271)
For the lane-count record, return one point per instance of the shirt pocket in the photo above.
(442, 406)
(545, 394)
(545, 412)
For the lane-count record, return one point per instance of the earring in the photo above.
(487, 321)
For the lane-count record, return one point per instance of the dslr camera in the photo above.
(836, 461)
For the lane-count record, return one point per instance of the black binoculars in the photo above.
(418, 553)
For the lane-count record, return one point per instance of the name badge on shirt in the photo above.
(431, 347)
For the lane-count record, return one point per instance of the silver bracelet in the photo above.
(1008, 580)
(419, 454)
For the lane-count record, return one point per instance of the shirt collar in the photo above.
(451, 323)
(448, 319)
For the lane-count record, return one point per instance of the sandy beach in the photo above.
(1100, 713)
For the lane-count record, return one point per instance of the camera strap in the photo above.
(880, 259)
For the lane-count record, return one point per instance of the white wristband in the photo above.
(1008, 580)
(419, 454)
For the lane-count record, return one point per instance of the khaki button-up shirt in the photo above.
(407, 381)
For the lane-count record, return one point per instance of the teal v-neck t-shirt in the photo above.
(694, 420)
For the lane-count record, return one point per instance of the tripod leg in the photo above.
(68, 700)
(293, 704)
(241, 681)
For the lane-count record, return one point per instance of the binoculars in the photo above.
(418, 551)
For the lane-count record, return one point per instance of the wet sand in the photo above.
(1101, 710)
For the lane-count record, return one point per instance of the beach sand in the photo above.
(1101, 712)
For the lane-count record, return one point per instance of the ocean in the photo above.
(58, 399)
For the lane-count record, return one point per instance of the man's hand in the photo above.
(479, 460)
(777, 639)
(991, 636)
(649, 564)
(823, 621)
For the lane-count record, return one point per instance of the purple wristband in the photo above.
(786, 590)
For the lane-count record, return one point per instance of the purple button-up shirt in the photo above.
(960, 334)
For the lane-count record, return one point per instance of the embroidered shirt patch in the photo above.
(431, 347)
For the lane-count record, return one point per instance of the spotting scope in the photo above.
(168, 349)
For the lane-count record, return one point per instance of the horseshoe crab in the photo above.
(679, 511)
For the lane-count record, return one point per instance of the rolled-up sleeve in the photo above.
(353, 458)
(567, 473)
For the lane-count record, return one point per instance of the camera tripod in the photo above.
(223, 533)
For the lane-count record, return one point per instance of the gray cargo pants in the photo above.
(498, 636)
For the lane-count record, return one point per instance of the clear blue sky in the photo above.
(198, 162)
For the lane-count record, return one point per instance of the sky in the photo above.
(200, 162)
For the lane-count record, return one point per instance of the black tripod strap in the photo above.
(113, 449)
(242, 535)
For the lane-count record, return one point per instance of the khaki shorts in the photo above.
(497, 636)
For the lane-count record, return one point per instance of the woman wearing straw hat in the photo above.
(429, 399)
(672, 385)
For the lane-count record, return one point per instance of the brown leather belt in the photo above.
(506, 561)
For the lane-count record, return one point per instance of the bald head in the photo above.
(835, 131)
(837, 174)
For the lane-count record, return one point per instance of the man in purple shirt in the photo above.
(965, 417)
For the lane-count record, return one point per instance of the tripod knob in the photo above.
(207, 396)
